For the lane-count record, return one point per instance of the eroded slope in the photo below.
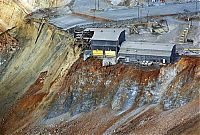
(117, 99)
(50, 51)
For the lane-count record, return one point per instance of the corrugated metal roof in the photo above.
(146, 48)
(149, 53)
(148, 45)
(109, 34)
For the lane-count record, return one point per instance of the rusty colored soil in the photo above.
(21, 112)
(7, 43)
(153, 121)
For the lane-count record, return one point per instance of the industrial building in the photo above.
(106, 41)
(145, 51)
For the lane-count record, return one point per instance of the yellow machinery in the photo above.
(110, 53)
(191, 49)
(184, 34)
(97, 53)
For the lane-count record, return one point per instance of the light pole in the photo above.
(196, 3)
(138, 11)
(98, 4)
(95, 3)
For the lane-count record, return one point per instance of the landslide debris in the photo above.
(43, 91)
(92, 99)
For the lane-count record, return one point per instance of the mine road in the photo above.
(77, 18)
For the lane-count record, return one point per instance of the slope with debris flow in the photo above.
(46, 88)
(95, 99)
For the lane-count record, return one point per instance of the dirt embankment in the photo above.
(119, 99)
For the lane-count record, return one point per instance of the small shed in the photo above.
(146, 51)
(107, 39)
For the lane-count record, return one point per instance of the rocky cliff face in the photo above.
(44, 50)
(46, 88)
(13, 12)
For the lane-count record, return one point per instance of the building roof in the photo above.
(146, 48)
(109, 34)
